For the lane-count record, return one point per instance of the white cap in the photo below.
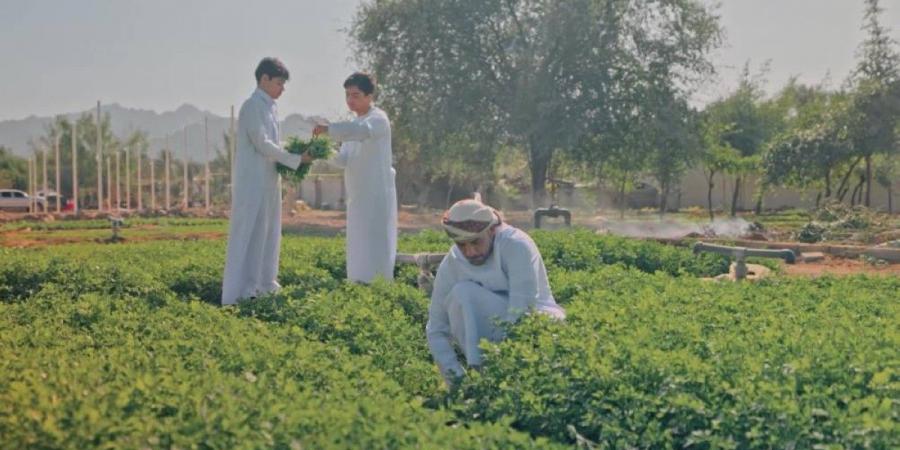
(469, 210)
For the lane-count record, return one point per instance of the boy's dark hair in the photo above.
(273, 67)
(363, 81)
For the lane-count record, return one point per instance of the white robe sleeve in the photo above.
(523, 263)
(253, 121)
(373, 127)
(438, 328)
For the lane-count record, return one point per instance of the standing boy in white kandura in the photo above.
(366, 157)
(254, 233)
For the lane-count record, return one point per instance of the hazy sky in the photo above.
(63, 56)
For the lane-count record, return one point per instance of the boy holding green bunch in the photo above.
(254, 234)
(366, 158)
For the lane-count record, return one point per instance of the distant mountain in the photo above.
(16, 134)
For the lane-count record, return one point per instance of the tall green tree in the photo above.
(745, 123)
(13, 170)
(625, 156)
(717, 156)
(876, 98)
(885, 173)
(674, 144)
(816, 145)
(539, 75)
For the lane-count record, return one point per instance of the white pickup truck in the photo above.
(16, 200)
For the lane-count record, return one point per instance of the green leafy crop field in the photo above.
(123, 346)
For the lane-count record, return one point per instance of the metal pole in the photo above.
(185, 188)
(75, 165)
(28, 189)
(231, 154)
(34, 182)
(118, 182)
(206, 165)
(152, 184)
(127, 179)
(168, 190)
(140, 182)
(57, 162)
(99, 162)
(109, 188)
(44, 154)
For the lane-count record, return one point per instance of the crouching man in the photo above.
(494, 273)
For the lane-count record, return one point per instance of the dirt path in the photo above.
(840, 266)
(332, 223)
